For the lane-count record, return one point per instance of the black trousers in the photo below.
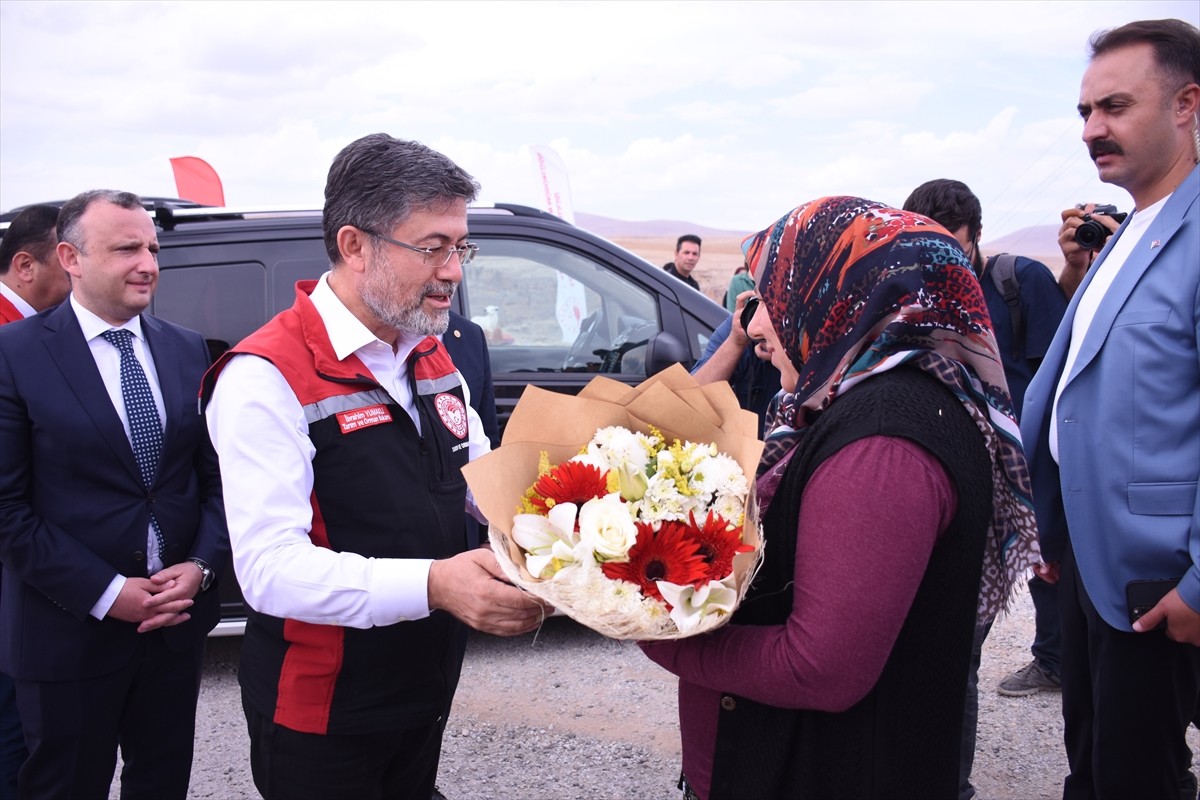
(147, 708)
(1127, 700)
(388, 765)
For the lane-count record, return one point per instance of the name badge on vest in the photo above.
(360, 418)
(452, 413)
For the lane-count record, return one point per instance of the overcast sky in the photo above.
(722, 114)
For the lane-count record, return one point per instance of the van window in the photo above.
(223, 302)
(287, 274)
(546, 309)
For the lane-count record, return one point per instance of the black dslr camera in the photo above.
(1091, 235)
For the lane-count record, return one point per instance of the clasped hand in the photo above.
(160, 601)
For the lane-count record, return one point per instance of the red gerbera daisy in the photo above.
(668, 554)
(569, 482)
(719, 542)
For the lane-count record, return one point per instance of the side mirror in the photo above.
(664, 350)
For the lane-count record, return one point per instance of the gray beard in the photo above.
(409, 319)
(379, 297)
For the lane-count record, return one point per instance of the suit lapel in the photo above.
(1153, 242)
(70, 353)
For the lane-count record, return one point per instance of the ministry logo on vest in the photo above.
(452, 413)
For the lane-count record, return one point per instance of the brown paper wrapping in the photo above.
(561, 425)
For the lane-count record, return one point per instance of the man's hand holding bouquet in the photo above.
(630, 510)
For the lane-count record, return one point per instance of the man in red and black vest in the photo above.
(31, 277)
(342, 426)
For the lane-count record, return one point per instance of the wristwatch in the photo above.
(207, 576)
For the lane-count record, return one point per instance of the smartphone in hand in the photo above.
(1141, 596)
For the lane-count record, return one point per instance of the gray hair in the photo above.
(69, 229)
(377, 181)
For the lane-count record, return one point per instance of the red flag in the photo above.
(197, 181)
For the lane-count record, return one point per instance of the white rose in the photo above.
(606, 528)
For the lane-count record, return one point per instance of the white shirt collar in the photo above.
(93, 326)
(16, 299)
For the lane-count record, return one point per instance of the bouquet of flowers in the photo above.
(635, 510)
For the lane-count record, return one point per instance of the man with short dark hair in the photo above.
(31, 280)
(687, 256)
(1023, 335)
(111, 524)
(955, 207)
(1111, 427)
(342, 427)
(31, 277)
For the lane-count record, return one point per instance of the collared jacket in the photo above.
(1128, 419)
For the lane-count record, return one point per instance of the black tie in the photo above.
(145, 428)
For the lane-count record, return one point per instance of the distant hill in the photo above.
(1036, 239)
(609, 227)
(1039, 242)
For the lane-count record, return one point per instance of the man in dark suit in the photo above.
(109, 534)
(31, 280)
(466, 342)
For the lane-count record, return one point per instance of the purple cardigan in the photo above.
(863, 542)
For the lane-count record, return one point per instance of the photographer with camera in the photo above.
(1080, 249)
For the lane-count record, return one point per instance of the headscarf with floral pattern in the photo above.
(854, 288)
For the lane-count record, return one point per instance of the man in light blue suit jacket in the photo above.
(1111, 425)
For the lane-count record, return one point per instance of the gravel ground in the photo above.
(568, 714)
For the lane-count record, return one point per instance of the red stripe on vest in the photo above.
(309, 674)
(434, 362)
(317, 533)
(312, 663)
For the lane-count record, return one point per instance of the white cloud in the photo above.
(723, 114)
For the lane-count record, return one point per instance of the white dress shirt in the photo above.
(1093, 294)
(261, 436)
(108, 361)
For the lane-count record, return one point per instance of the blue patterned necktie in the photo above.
(145, 428)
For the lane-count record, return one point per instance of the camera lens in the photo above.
(1091, 235)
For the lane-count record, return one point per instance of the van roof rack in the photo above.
(170, 212)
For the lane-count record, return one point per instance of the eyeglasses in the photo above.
(433, 255)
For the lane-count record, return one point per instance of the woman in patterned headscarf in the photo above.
(897, 508)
